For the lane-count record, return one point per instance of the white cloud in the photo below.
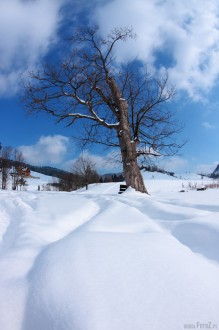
(48, 150)
(184, 32)
(27, 29)
(183, 35)
(207, 125)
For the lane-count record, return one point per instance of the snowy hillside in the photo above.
(98, 260)
(216, 171)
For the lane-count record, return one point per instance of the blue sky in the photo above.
(182, 36)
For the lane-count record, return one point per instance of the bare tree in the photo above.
(114, 106)
(5, 165)
(66, 182)
(19, 168)
(18, 157)
(84, 170)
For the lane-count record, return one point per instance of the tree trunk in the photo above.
(131, 169)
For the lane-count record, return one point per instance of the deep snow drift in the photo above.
(97, 260)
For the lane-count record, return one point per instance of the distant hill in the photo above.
(215, 174)
(46, 170)
(51, 171)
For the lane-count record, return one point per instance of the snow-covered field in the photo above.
(98, 260)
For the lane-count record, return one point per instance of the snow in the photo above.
(97, 260)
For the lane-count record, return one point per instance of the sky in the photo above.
(180, 36)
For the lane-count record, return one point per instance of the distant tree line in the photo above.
(214, 176)
(48, 170)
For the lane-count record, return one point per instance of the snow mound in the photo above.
(120, 281)
(97, 260)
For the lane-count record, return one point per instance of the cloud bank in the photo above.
(48, 150)
(27, 29)
(182, 35)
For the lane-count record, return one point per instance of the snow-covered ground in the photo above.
(97, 260)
